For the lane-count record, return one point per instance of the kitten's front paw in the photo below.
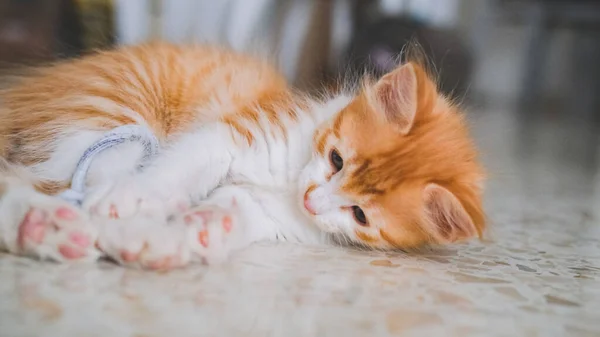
(213, 232)
(52, 229)
(124, 199)
(146, 243)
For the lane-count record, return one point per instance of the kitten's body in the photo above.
(251, 155)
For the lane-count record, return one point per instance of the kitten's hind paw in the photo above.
(52, 229)
(146, 243)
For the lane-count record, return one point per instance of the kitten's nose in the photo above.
(307, 204)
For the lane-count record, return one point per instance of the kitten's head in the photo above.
(396, 167)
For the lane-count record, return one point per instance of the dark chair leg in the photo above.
(535, 60)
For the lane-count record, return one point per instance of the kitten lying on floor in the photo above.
(243, 158)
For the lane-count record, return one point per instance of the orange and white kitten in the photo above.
(242, 159)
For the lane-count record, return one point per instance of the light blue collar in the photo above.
(115, 137)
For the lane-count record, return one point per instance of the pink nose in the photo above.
(307, 204)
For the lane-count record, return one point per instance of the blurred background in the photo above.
(526, 71)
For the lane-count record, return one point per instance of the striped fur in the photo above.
(409, 162)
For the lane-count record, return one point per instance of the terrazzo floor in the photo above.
(537, 274)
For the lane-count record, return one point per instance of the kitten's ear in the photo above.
(396, 95)
(448, 221)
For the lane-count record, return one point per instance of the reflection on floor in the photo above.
(538, 273)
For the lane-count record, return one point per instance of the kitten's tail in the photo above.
(18, 174)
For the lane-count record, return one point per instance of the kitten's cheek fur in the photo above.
(314, 173)
(334, 222)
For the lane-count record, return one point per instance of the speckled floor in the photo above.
(537, 275)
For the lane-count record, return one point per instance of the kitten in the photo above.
(243, 158)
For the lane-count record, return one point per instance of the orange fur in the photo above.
(170, 87)
(392, 155)
(388, 170)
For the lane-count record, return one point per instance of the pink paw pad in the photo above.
(70, 252)
(65, 213)
(163, 263)
(33, 227)
(128, 256)
(80, 239)
(203, 238)
(112, 212)
(227, 224)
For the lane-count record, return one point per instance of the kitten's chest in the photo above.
(272, 162)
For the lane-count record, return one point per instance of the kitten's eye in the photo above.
(336, 160)
(359, 215)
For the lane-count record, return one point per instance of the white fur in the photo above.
(65, 153)
(68, 149)
(17, 199)
(215, 167)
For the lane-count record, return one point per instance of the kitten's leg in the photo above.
(42, 226)
(207, 233)
(228, 221)
(193, 165)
